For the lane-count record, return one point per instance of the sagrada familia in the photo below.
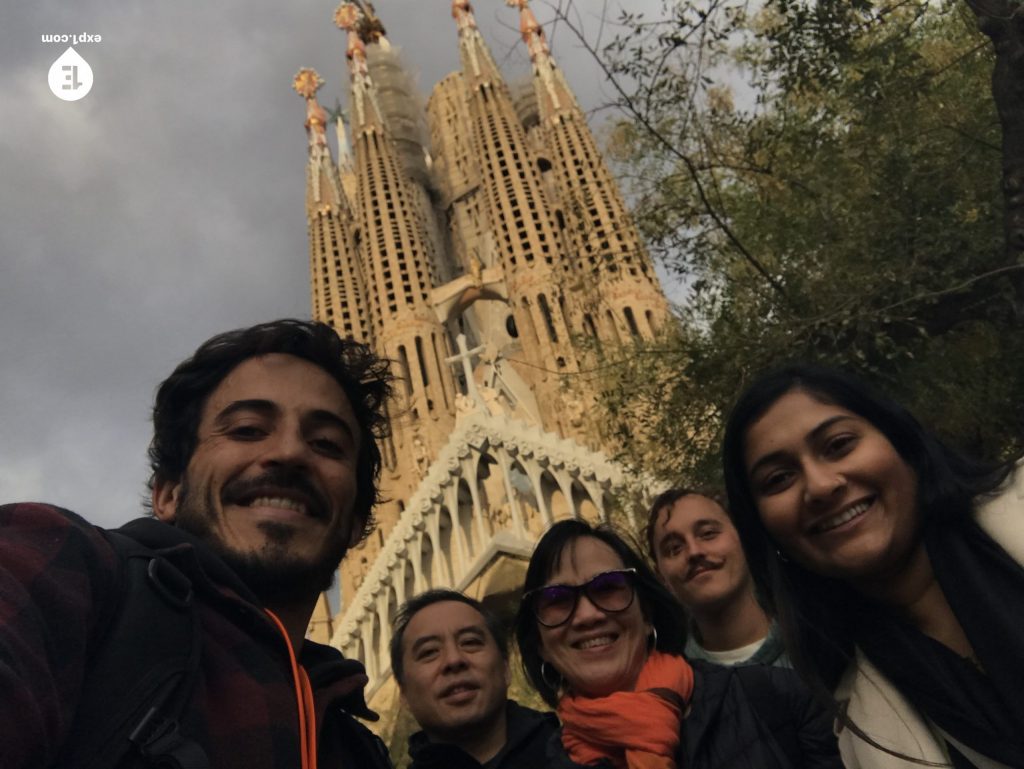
(483, 246)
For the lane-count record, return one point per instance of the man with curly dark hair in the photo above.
(264, 473)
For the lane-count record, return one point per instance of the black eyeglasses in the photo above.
(610, 591)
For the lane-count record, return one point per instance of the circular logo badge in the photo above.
(70, 76)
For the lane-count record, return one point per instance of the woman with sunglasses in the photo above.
(601, 640)
(895, 567)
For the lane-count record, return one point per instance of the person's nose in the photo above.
(286, 446)
(587, 612)
(695, 550)
(822, 480)
(453, 659)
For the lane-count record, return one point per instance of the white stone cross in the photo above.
(465, 357)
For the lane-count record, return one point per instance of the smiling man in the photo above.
(449, 656)
(178, 640)
(698, 555)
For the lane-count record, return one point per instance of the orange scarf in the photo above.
(634, 730)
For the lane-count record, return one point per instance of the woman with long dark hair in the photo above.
(894, 566)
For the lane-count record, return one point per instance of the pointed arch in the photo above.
(467, 520)
(584, 505)
(444, 571)
(483, 472)
(372, 657)
(408, 581)
(554, 497)
(427, 578)
(526, 495)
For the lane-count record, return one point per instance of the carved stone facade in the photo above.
(484, 248)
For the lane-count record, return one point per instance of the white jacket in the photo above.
(878, 708)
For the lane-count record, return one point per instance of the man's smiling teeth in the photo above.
(590, 643)
(847, 515)
(280, 502)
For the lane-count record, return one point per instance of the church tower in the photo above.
(529, 244)
(615, 273)
(336, 279)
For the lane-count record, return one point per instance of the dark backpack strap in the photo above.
(764, 696)
(362, 748)
(140, 673)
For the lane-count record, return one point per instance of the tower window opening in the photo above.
(631, 321)
(422, 362)
(403, 360)
(548, 321)
(510, 327)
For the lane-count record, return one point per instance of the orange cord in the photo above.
(307, 693)
(304, 700)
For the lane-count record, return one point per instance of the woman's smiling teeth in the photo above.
(839, 519)
(591, 643)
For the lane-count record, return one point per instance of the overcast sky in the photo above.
(167, 206)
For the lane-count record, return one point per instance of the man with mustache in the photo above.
(449, 656)
(264, 473)
(699, 557)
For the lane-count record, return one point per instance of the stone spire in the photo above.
(626, 301)
(336, 281)
(397, 260)
(371, 28)
(365, 110)
(306, 83)
(476, 56)
(553, 93)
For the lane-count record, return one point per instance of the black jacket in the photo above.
(747, 717)
(756, 716)
(525, 747)
(90, 643)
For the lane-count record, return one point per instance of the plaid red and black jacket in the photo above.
(59, 583)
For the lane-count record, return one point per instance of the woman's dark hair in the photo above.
(659, 607)
(818, 633)
(364, 377)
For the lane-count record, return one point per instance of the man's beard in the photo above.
(274, 575)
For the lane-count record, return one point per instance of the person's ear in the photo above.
(507, 675)
(165, 499)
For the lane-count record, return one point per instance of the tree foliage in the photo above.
(826, 178)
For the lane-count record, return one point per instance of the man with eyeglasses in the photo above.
(449, 656)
